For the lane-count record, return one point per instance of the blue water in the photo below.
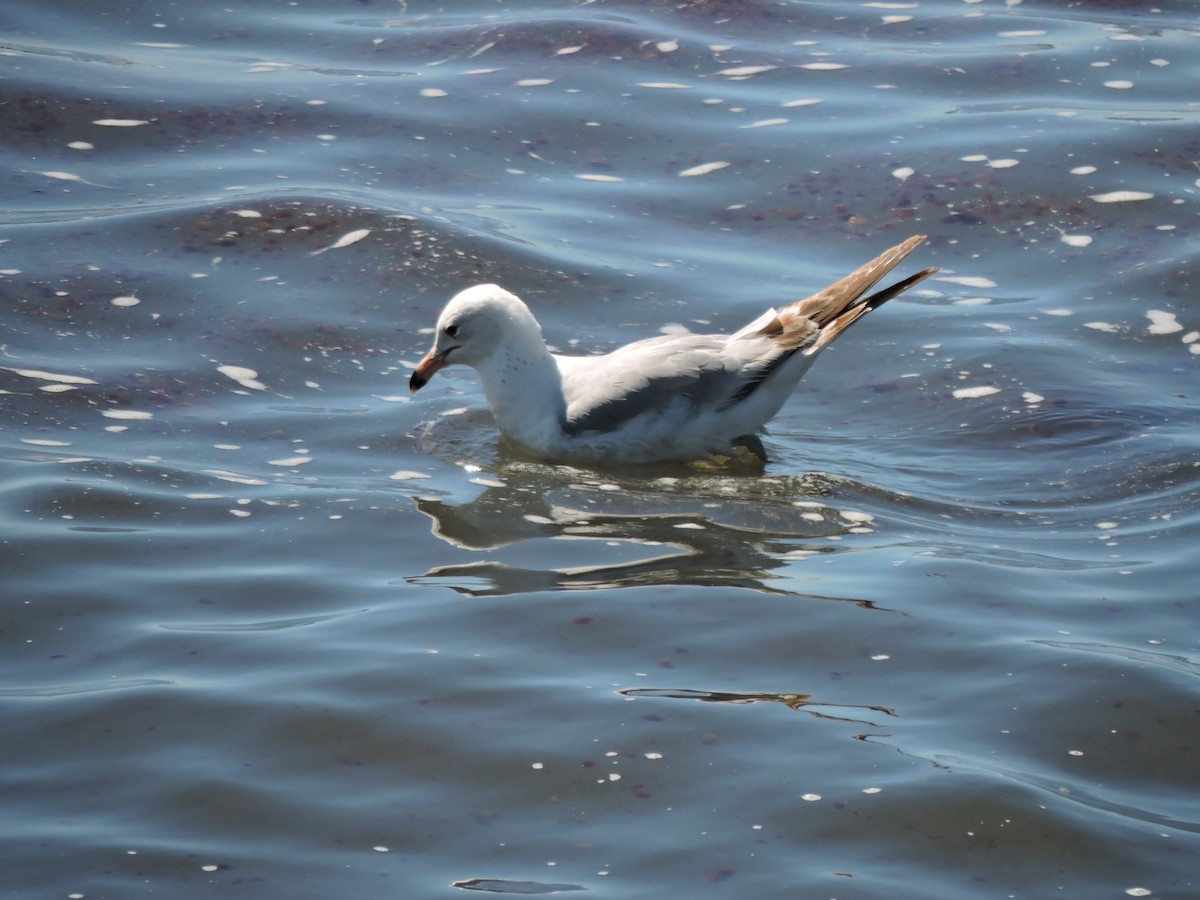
(272, 626)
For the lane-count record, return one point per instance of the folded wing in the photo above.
(715, 372)
(654, 375)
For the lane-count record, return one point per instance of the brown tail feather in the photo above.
(833, 310)
(850, 316)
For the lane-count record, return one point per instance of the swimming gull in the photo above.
(676, 397)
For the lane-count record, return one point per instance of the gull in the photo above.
(672, 398)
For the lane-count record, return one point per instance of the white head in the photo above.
(472, 326)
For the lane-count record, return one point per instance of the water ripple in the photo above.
(1006, 455)
(1091, 798)
(232, 627)
(1171, 661)
(70, 690)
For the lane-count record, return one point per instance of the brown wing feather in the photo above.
(850, 316)
(812, 323)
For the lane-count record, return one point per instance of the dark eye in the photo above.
(451, 330)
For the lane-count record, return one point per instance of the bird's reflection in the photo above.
(800, 702)
(705, 531)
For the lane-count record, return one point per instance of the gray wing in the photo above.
(604, 392)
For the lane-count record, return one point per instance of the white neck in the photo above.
(522, 376)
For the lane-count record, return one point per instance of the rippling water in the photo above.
(272, 625)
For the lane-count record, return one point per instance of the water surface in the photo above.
(270, 624)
